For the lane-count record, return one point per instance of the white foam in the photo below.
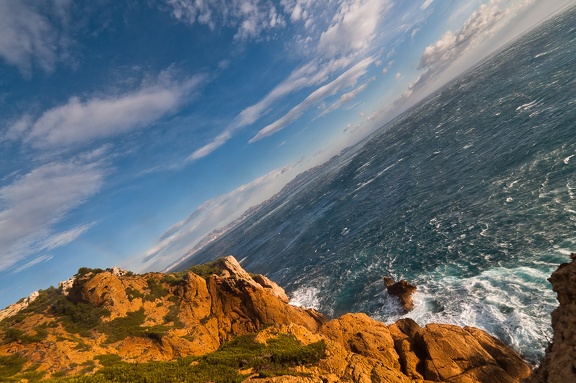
(527, 106)
(306, 296)
(499, 300)
(567, 159)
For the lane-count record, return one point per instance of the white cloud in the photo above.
(29, 37)
(35, 202)
(426, 4)
(336, 35)
(249, 17)
(345, 80)
(398, 76)
(309, 74)
(352, 28)
(82, 121)
(65, 237)
(347, 97)
(33, 262)
(483, 22)
(182, 236)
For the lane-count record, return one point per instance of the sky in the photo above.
(131, 129)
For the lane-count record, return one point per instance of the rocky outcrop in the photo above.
(161, 317)
(15, 308)
(403, 290)
(559, 364)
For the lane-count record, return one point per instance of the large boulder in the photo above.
(403, 290)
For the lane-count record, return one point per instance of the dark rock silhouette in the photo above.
(559, 364)
(403, 290)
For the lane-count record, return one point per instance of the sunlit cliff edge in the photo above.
(218, 323)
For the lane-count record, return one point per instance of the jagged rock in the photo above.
(403, 290)
(15, 308)
(559, 364)
(199, 313)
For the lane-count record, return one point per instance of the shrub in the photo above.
(121, 328)
(10, 365)
(156, 290)
(207, 269)
(172, 316)
(108, 359)
(85, 271)
(174, 279)
(134, 293)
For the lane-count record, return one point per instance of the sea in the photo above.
(470, 195)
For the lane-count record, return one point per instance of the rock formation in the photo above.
(164, 317)
(15, 308)
(559, 364)
(403, 290)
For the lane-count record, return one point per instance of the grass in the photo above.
(276, 358)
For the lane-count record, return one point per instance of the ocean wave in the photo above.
(512, 304)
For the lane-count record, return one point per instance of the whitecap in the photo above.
(306, 296)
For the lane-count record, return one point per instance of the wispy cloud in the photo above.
(82, 121)
(31, 34)
(334, 37)
(345, 80)
(40, 259)
(182, 236)
(248, 17)
(32, 205)
(307, 75)
(426, 4)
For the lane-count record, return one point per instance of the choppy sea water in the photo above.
(471, 195)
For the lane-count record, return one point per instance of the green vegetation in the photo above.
(172, 316)
(207, 269)
(10, 365)
(133, 294)
(80, 318)
(222, 366)
(174, 279)
(156, 290)
(13, 334)
(86, 270)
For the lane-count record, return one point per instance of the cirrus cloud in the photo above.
(345, 80)
(33, 204)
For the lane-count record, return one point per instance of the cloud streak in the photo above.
(345, 80)
(345, 38)
(182, 236)
(79, 122)
(33, 204)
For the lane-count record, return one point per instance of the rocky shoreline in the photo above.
(164, 317)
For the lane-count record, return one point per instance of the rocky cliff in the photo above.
(559, 364)
(216, 322)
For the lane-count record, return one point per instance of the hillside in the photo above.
(216, 322)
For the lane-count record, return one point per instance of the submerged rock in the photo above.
(403, 290)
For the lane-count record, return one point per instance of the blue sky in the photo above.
(131, 129)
